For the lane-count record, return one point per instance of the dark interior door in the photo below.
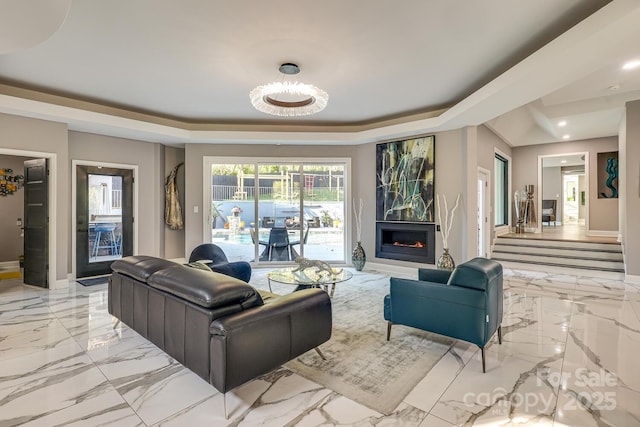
(36, 227)
(104, 218)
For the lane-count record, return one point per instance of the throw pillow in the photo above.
(199, 266)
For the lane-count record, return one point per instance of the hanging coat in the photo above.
(172, 209)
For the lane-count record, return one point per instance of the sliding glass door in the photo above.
(272, 212)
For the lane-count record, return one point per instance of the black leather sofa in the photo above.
(219, 327)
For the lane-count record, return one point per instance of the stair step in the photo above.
(561, 261)
(564, 244)
(613, 275)
(559, 252)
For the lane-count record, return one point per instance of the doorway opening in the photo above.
(269, 211)
(48, 273)
(563, 199)
(104, 214)
(484, 212)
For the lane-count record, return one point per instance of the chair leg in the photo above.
(224, 404)
(483, 363)
(389, 324)
(500, 334)
(320, 353)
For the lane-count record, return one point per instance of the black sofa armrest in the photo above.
(253, 342)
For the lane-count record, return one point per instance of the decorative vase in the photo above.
(358, 257)
(445, 262)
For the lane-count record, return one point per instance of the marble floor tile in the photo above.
(512, 390)
(62, 362)
(433, 421)
(31, 334)
(155, 385)
(64, 386)
(427, 392)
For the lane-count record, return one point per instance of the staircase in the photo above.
(606, 257)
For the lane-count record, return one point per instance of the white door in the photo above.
(483, 213)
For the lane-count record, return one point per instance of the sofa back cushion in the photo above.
(205, 288)
(141, 267)
(476, 273)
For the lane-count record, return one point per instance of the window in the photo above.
(267, 210)
(501, 171)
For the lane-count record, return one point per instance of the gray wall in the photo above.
(173, 243)
(603, 213)
(487, 144)
(12, 208)
(22, 133)
(630, 171)
(150, 179)
(448, 181)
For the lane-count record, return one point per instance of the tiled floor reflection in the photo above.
(568, 358)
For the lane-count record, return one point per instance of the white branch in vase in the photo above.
(358, 216)
(445, 227)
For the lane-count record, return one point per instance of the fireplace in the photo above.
(406, 241)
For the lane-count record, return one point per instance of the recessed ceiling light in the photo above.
(563, 161)
(613, 88)
(567, 136)
(562, 123)
(631, 64)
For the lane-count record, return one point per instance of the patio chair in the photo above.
(255, 237)
(294, 253)
(279, 245)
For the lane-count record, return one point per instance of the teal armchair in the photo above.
(465, 304)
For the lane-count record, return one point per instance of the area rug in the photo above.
(93, 281)
(361, 364)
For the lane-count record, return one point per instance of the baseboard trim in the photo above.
(401, 270)
(632, 279)
(9, 265)
(499, 231)
(60, 284)
(603, 233)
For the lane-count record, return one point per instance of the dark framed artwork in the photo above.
(405, 180)
(607, 168)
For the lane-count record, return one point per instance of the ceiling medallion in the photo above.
(288, 98)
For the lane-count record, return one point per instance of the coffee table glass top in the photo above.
(310, 276)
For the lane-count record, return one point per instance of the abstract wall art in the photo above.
(404, 182)
(608, 175)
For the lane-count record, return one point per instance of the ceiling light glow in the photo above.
(567, 136)
(289, 98)
(631, 64)
(562, 123)
(563, 161)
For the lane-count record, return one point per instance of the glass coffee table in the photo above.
(309, 278)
